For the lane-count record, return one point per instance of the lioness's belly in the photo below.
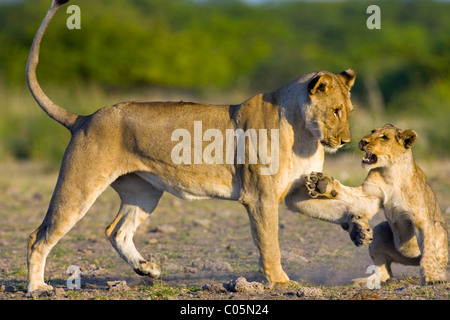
(195, 185)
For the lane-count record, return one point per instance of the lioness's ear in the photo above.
(319, 84)
(348, 76)
(407, 137)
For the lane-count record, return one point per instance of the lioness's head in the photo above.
(329, 106)
(386, 146)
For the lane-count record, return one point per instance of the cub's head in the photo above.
(328, 108)
(386, 146)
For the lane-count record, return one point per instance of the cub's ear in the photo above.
(407, 138)
(348, 76)
(319, 84)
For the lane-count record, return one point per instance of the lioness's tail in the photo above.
(56, 112)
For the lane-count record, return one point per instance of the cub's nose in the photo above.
(362, 144)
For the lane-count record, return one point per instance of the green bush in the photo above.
(207, 47)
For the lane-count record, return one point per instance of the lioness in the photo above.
(415, 231)
(131, 146)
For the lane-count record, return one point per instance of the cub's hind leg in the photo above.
(442, 249)
(139, 199)
(432, 238)
(383, 252)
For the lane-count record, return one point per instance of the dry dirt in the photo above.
(204, 248)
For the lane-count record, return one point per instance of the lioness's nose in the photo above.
(345, 140)
(362, 144)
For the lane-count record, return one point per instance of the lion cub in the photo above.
(415, 232)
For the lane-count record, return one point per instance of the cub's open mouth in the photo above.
(369, 158)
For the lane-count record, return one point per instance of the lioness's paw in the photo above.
(320, 184)
(361, 233)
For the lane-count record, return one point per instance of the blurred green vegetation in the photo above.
(221, 51)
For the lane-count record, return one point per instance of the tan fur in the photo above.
(128, 146)
(415, 231)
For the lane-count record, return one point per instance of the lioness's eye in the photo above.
(336, 112)
(373, 131)
(385, 138)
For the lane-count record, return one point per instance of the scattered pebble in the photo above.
(158, 258)
(190, 270)
(59, 292)
(242, 285)
(117, 286)
(37, 294)
(94, 272)
(7, 288)
(215, 288)
(366, 295)
(165, 228)
(202, 223)
(290, 256)
(309, 292)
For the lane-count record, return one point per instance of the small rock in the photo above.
(366, 295)
(59, 292)
(215, 288)
(242, 285)
(117, 286)
(41, 294)
(165, 228)
(202, 223)
(95, 272)
(231, 246)
(158, 258)
(309, 292)
(293, 257)
(190, 270)
(7, 288)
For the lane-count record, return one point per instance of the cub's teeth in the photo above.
(368, 158)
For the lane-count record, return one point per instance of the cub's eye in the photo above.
(385, 138)
(373, 131)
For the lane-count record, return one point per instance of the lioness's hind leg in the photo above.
(139, 199)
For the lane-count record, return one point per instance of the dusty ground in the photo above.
(203, 247)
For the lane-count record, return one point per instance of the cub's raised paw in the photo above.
(361, 233)
(320, 184)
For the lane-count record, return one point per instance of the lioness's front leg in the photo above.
(264, 227)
